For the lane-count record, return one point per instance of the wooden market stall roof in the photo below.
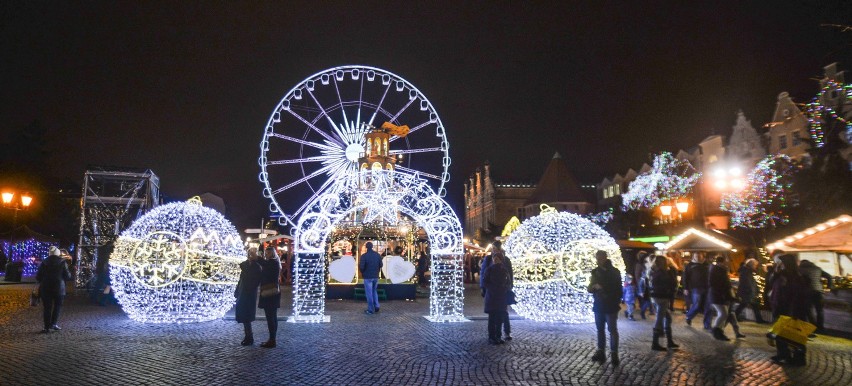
(695, 240)
(833, 235)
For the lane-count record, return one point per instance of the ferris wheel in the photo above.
(316, 135)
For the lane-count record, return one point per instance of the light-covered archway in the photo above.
(380, 195)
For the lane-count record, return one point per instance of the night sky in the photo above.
(185, 88)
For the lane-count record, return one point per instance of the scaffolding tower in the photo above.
(112, 198)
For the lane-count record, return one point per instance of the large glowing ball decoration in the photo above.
(177, 263)
(552, 257)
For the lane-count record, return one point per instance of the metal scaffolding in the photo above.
(112, 199)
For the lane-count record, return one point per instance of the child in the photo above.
(629, 296)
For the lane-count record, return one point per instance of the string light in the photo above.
(177, 263)
(817, 111)
(669, 179)
(387, 196)
(29, 252)
(552, 256)
(693, 231)
(765, 197)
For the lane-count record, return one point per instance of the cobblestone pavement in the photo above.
(100, 345)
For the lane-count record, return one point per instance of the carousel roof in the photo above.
(832, 235)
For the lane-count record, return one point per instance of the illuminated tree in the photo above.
(669, 179)
(766, 197)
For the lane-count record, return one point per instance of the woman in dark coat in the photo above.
(271, 303)
(747, 290)
(787, 298)
(663, 283)
(497, 281)
(719, 295)
(246, 294)
(51, 275)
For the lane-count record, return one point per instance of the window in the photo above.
(617, 189)
(610, 191)
(797, 140)
(782, 141)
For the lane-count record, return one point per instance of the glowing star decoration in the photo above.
(177, 263)
(552, 257)
(669, 179)
(411, 197)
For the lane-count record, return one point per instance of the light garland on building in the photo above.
(766, 195)
(817, 112)
(552, 257)
(669, 179)
(692, 231)
(177, 263)
(379, 195)
(600, 218)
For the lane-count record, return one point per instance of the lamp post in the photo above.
(23, 201)
(673, 210)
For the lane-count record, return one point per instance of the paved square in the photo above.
(100, 345)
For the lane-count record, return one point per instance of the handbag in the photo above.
(269, 289)
(793, 330)
(34, 296)
(510, 298)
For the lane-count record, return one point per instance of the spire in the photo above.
(557, 184)
(556, 155)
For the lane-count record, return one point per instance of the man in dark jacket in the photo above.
(497, 247)
(747, 290)
(719, 295)
(51, 275)
(814, 275)
(605, 286)
(695, 284)
(370, 264)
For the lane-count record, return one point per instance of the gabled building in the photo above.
(489, 205)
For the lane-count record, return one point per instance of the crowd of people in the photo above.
(793, 288)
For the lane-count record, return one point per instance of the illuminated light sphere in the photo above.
(552, 257)
(177, 263)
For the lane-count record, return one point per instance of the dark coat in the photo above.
(52, 274)
(370, 264)
(663, 284)
(487, 263)
(270, 274)
(497, 280)
(246, 292)
(790, 294)
(607, 298)
(747, 289)
(720, 285)
(695, 276)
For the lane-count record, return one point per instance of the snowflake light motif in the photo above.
(162, 273)
(552, 257)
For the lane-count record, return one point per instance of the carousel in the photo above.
(369, 151)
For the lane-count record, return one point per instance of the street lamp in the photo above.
(674, 209)
(728, 178)
(9, 202)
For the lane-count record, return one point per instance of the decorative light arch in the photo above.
(381, 195)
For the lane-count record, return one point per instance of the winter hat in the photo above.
(54, 251)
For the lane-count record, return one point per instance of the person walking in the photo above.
(719, 295)
(663, 285)
(605, 286)
(695, 284)
(642, 285)
(788, 285)
(496, 280)
(270, 293)
(629, 297)
(370, 264)
(747, 291)
(814, 276)
(246, 294)
(51, 275)
(497, 248)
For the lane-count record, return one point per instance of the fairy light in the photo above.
(177, 263)
(668, 179)
(765, 197)
(817, 112)
(379, 195)
(552, 257)
(785, 242)
(692, 231)
(29, 252)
